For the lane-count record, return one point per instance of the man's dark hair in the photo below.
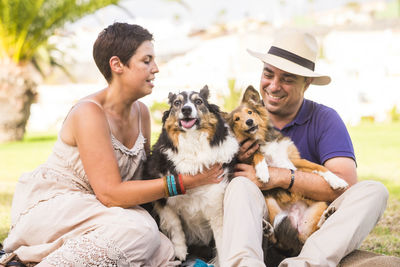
(121, 40)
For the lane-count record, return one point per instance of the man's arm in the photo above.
(315, 187)
(310, 185)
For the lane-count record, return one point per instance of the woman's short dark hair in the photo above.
(121, 40)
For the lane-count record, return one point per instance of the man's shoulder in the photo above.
(320, 111)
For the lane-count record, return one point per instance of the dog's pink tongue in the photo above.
(188, 124)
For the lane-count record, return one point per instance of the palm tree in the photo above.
(25, 27)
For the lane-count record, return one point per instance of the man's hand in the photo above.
(278, 177)
(247, 149)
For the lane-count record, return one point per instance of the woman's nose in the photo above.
(155, 68)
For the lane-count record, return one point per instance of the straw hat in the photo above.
(294, 52)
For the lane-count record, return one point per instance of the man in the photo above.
(321, 137)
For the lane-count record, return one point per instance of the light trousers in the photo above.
(358, 210)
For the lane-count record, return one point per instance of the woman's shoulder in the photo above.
(144, 110)
(86, 113)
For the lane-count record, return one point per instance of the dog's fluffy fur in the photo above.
(194, 136)
(292, 218)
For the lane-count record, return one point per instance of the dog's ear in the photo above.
(225, 115)
(213, 108)
(165, 115)
(251, 94)
(171, 98)
(204, 93)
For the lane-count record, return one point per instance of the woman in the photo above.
(80, 208)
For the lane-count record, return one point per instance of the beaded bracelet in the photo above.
(166, 187)
(171, 192)
(173, 184)
(183, 191)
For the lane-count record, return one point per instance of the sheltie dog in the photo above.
(194, 136)
(292, 217)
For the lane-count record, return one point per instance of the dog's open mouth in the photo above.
(252, 130)
(187, 123)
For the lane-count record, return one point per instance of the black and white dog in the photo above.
(194, 136)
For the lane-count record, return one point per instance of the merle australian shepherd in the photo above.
(194, 136)
(292, 217)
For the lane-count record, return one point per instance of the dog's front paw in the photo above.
(181, 252)
(262, 171)
(268, 231)
(327, 213)
(334, 181)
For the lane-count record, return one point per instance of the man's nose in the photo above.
(274, 85)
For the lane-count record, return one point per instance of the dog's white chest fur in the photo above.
(194, 152)
(277, 153)
(197, 215)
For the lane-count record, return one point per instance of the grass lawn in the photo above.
(377, 148)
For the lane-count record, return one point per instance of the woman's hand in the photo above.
(247, 149)
(213, 175)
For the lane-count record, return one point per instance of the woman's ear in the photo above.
(116, 64)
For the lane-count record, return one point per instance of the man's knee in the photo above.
(241, 185)
(374, 190)
(241, 190)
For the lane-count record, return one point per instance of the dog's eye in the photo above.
(237, 118)
(198, 101)
(177, 103)
(250, 112)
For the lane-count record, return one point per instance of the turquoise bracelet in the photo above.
(169, 186)
(173, 183)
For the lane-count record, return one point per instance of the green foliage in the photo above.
(26, 25)
(157, 109)
(233, 99)
(392, 11)
(394, 114)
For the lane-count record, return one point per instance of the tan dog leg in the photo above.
(311, 217)
(307, 166)
(273, 209)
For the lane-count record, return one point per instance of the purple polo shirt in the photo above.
(319, 133)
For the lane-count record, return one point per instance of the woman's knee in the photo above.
(135, 232)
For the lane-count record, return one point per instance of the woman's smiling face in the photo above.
(141, 69)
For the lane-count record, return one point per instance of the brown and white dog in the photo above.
(292, 217)
(194, 136)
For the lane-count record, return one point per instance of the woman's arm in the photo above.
(90, 130)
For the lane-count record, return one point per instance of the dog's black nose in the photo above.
(186, 110)
(249, 122)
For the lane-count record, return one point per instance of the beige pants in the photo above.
(357, 212)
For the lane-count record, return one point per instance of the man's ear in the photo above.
(116, 64)
(308, 81)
